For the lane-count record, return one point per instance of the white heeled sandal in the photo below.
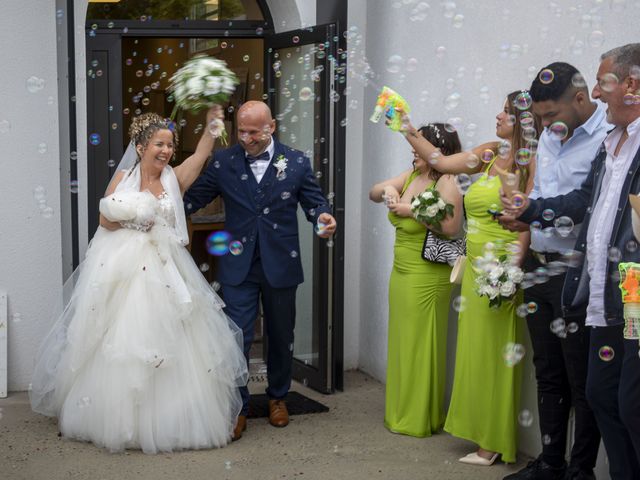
(475, 459)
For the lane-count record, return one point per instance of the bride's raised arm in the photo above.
(187, 172)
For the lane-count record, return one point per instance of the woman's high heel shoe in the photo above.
(475, 459)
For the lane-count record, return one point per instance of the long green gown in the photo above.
(419, 293)
(486, 391)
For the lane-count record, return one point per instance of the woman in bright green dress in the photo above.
(419, 293)
(486, 389)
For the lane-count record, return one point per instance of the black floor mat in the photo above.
(297, 404)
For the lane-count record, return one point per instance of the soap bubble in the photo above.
(293, 254)
(517, 200)
(558, 130)
(94, 139)
(558, 326)
(236, 247)
(35, 84)
(614, 255)
(394, 63)
(606, 353)
(532, 307)
(564, 226)
(512, 353)
(218, 243)
(578, 81)
(285, 195)
(608, 82)
(573, 327)
(546, 76)
(487, 156)
(596, 38)
(523, 156)
(525, 418)
(463, 181)
(526, 119)
(548, 214)
(523, 101)
(459, 303)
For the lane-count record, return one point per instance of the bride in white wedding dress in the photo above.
(143, 356)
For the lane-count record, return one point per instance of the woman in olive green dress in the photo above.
(486, 389)
(419, 293)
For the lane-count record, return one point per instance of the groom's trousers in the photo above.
(279, 309)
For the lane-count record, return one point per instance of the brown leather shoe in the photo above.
(278, 414)
(241, 426)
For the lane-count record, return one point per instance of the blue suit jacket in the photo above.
(264, 214)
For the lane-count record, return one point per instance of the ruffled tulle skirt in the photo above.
(142, 355)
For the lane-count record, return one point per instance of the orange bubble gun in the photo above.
(630, 288)
(391, 104)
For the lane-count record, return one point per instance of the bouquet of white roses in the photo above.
(429, 208)
(201, 83)
(497, 278)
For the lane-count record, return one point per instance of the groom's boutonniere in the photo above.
(281, 166)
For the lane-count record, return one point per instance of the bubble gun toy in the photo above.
(390, 103)
(630, 288)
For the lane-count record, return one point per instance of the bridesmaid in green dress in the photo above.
(486, 390)
(419, 293)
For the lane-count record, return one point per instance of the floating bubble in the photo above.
(216, 286)
(487, 156)
(631, 246)
(525, 418)
(521, 310)
(596, 39)
(204, 267)
(245, 58)
(608, 82)
(606, 353)
(223, 44)
(578, 81)
(558, 130)
(535, 225)
(295, 39)
(517, 200)
(523, 156)
(573, 327)
(394, 63)
(459, 303)
(557, 326)
(293, 254)
(512, 354)
(452, 101)
(564, 226)
(227, 465)
(472, 160)
(94, 139)
(236, 247)
(463, 181)
(548, 214)
(529, 134)
(305, 94)
(39, 193)
(458, 20)
(532, 307)
(546, 439)
(73, 186)
(259, 31)
(35, 84)
(441, 51)
(546, 76)
(42, 148)
(218, 243)
(523, 101)
(84, 402)
(614, 255)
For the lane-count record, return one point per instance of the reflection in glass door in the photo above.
(300, 82)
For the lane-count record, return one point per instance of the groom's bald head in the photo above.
(255, 126)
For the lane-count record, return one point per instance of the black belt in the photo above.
(546, 257)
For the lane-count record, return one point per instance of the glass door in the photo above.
(301, 93)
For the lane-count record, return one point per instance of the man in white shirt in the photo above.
(574, 129)
(606, 237)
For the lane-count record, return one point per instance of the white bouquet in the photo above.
(429, 208)
(201, 83)
(497, 278)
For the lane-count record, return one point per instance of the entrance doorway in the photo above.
(134, 47)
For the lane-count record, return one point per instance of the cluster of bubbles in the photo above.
(40, 196)
(512, 354)
(525, 418)
(560, 328)
(220, 243)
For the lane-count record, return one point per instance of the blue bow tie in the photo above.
(263, 156)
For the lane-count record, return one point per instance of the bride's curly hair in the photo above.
(144, 126)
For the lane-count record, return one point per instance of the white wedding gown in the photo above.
(142, 355)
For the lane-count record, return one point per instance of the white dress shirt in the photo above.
(603, 218)
(561, 168)
(259, 167)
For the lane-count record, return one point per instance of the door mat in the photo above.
(297, 404)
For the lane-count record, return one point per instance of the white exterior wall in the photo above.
(30, 244)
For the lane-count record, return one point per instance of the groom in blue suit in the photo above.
(261, 182)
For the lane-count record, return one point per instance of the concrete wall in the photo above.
(30, 236)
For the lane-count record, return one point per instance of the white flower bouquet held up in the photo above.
(497, 277)
(429, 208)
(201, 83)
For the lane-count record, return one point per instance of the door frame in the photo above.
(240, 29)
